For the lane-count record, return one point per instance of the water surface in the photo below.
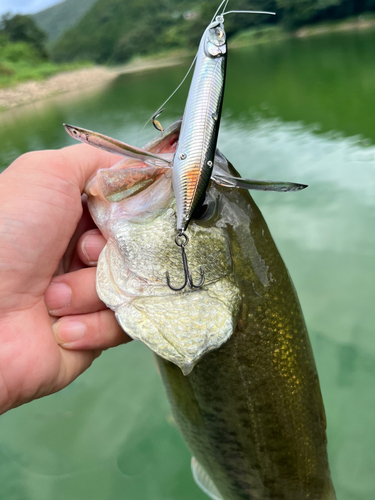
(302, 111)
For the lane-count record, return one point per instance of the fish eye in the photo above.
(219, 33)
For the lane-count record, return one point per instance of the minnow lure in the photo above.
(195, 154)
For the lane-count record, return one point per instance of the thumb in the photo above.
(82, 161)
(40, 208)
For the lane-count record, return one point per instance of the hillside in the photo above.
(58, 18)
(113, 26)
(113, 31)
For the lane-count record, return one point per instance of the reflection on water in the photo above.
(296, 111)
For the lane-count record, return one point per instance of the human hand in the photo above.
(52, 323)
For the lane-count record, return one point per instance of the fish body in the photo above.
(234, 355)
(194, 158)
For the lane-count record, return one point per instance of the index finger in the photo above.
(74, 164)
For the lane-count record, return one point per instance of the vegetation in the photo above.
(22, 53)
(298, 12)
(58, 18)
(113, 31)
(23, 29)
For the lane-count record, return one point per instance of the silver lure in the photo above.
(194, 158)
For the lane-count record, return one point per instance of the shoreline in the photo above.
(358, 24)
(253, 37)
(81, 79)
(88, 78)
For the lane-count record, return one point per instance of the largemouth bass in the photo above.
(234, 355)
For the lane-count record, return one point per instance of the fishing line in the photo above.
(248, 12)
(225, 3)
(217, 11)
(225, 6)
(173, 93)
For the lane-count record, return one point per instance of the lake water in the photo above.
(303, 111)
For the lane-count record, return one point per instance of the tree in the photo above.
(21, 28)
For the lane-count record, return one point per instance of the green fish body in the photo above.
(252, 411)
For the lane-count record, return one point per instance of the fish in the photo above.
(234, 355)
(163, 161)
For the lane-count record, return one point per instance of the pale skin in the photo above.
(52, 323)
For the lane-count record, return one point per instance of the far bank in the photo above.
(80, 79)
(89, 77)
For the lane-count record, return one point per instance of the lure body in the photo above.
(195, 154)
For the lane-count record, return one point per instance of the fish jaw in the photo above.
(180, 327)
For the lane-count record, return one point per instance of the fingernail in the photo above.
(57, 296)
(91, 247)
(67, 332)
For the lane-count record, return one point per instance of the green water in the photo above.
(300, 111)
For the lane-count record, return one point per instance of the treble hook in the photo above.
(181, 241)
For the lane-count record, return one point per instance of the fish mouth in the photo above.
(186, 326)
(182, 326)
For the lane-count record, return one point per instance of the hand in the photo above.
(52, 323)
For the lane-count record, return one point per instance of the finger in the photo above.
(55, 181)
(90, 246)
(76, 164)
(83, 161)
(73, 293)
(98, 330)
(73, 364)
(71, 260)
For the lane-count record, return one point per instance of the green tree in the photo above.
(297, 12)
(21, 28)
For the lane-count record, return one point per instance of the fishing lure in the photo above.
(195, 154)
(194, 158)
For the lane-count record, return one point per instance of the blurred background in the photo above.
(299, 106)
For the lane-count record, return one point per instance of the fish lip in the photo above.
(188, 289)
(165, 291)
(184, 328)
